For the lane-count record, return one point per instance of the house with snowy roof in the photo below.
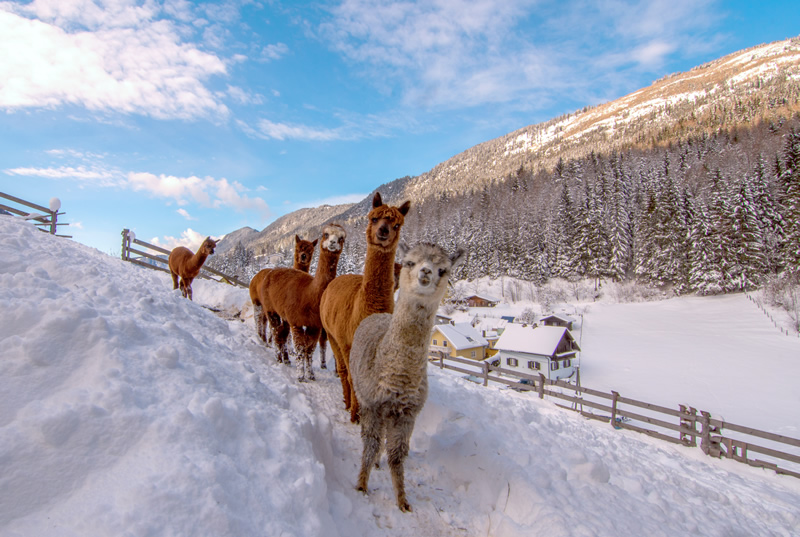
(481, 301)
(557, 320)
(459, 340)
(549, 350)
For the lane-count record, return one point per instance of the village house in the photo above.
(557, 320)
(459, 340)
(549, 350)
(481, 301)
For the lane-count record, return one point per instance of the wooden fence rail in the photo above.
(685, 426)
(48, 221)
(205, 272)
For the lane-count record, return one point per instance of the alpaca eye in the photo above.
(324, 235)
(396, 227)
(442, 272)
(374, 220)
(409, 264)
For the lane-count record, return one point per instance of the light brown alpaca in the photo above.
(186, 265)
(294, 298)
(350, 298)
(303, 253)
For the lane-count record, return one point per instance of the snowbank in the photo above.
(128, 410)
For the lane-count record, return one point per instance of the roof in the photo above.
(542, 340)
(487, 298)
(489, 324)
(558, 317)
(462, 336)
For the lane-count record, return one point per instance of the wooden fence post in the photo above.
(689, 439)
(485, 373)
(441, 359)
(126, 243)
(707, 444)
(541, 385)
(614, 397)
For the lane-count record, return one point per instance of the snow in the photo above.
(126, 410)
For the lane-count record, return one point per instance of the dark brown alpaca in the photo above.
(350, 298)
(186, 265)
(303, 253)
(293, 302)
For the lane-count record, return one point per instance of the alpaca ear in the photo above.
(297, 239)
(457, 258)
(314, 242)
(376, 200)
(404, 208)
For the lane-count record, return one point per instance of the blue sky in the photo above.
(185, 119)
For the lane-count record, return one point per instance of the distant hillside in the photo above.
(724, 115)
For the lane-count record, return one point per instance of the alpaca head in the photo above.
(384, 223)
(208, 246)
(426, 270)
(303, 252)
(333, 236)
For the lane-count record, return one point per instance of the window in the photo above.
(435, 342)
(534, 365)
(512, 362)
(444, 343)
(473, 354)
(553, 365)
(567, 362)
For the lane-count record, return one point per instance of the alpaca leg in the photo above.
(189, 290)
(174, 279)
(398, 434)
(371, 439)
(281, 342)
(354, 408)
(342, 372)
(323, 340)
(258, 317)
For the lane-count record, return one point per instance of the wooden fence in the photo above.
(47, 221)
(686, 425)
(129, 239)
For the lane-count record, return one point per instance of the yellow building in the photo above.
(459, 340)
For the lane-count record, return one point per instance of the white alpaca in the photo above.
(389, 358)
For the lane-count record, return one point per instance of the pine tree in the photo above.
(790, 191)
(748, 262)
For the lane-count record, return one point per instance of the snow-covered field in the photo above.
(128, 410)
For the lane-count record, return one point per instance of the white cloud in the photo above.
(111, 55)
(184, 213)
(82, 174)
(286, 131)
(274, 52)
(206, 191)
(453, 53)
(190, 238)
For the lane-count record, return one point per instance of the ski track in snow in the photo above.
(128, 410)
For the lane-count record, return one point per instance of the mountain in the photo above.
(746, 89)
(227, 242)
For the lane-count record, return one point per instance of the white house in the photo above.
(550, 350)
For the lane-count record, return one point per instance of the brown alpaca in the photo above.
(182, 262)
(303, 253)
(293, 302)
(350, 298)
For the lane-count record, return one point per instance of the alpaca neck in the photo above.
(378, 282)
(197, 260)
(326, 269)
(410, 330)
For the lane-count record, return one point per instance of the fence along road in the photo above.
(128, 238)
(47, 220)
(684, 426)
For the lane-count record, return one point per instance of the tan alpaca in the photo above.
(350, 298)
(303, 254)
(294, 299)
(186, 265)
(388, 362)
